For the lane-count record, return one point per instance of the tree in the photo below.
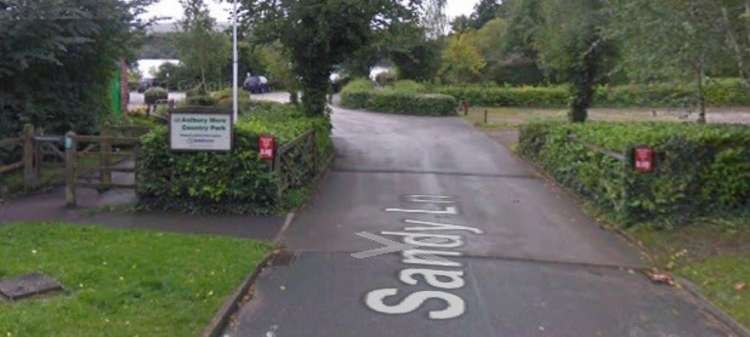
(462, 60)
(570, 41)
(57, 58)
(676, 39)
(202, 50)
(434, 19)
(524, 21)
(279, 66)
(461, 24)
(735, 25)
(484, 11)
(320, 34)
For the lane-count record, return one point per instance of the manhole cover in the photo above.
(28, 285)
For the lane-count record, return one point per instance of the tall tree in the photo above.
(462, 60)
(484, 11)
(461, 24)
(434, 19)
(571, 42)
(57, 58)
(672, 40)
(202, 49)
(321, 34)
(735, 25)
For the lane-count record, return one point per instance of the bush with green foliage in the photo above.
(699, 168)
(722, 92)
(495, 96)
(235, 182)
(202, 100)
(57, 58)
(403, 97)
(154, 94)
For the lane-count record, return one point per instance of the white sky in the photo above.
(172, 8)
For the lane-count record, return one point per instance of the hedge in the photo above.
(699, 168)
(154, 94)
(237, 182)
(403, 97)
(724, 92)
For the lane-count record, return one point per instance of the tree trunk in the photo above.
(701, 95)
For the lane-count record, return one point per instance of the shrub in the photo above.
(385, 78)
(234, 182)
(203, 100)
(700, 168)
(407, 86)
(494, 96)
(154, 94)
(723, 92)
(403, 97)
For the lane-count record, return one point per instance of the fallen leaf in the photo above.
(740, 286)
(661, 278)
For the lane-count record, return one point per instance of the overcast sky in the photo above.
(172, 8)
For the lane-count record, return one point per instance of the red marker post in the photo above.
(644, 159)
(266, 147)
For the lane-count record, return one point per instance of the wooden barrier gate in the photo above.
(114, 154)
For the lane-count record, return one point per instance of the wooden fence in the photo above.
(297, 161)
(598, 149)
(39, 150)
(114, 154)
(32, 154)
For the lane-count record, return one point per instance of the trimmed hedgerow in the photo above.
(404, 97)
(201, 100)
(492, 96)
(724, 92)
(236, 182)
(699, 168)
(154, 94)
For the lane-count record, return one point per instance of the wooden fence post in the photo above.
(38, 160)
(314, 153)
(70, 169)
(29, 179)
(105, 160)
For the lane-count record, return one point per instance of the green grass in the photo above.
(712, 252)
(121, 282)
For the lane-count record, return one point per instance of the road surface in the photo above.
(476, 244)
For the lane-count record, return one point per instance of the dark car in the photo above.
(256, 84)
(145, 84)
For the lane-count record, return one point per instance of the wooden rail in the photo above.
(108, 157)
(106, 147)
(26, 142)
(598, 149)
(303, 149)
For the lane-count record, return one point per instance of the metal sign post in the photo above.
(235, 64)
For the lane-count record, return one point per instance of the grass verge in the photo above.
(121, 282)
(713, 253)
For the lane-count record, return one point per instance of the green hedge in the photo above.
(403, 97)
(699, 168)
(236, 182)
(154, 94)
(724, 92)
(491, 96)
(201, 100)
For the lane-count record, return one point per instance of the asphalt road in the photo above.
(487, 249)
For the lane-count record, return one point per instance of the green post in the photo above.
(116, 93)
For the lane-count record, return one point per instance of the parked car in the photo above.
(256, 84)
(145, 84)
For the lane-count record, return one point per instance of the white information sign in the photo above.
(200, 132)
